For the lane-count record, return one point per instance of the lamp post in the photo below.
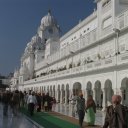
(117, 32)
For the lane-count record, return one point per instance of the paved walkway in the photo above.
(11, 121)
(63, 113)
(68, 111)
(55, 120)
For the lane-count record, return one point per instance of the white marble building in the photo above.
(92, 57)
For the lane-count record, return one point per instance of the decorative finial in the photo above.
(49, 11)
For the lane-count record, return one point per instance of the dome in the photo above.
(48, 20)
(35, 39)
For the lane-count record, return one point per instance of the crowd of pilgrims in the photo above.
(116, 113)
(31, 100)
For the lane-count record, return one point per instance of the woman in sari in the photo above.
(90, 111)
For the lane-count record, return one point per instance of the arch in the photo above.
(124, 83)
(67, 86)
(108, 84)
(58, 94)
(53, 90)
(89, 88)
(53, 87)
(108, 91)
(62, 87)
(58, 87)
(77, 88)
(89, 85)
(124, 90)
(97, 84)
(98, 93)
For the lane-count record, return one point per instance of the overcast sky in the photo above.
(19, 20)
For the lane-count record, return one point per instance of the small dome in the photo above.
(48, 21)
(35, 39)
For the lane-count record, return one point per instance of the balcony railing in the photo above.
(122, 20)
(78, 70)
(106, 8)
(72, 47)
(123, 58)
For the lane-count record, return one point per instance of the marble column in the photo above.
(53, 93)
(57, 96)
(86, 94)
(94, 95)
(121, 94)
(61, 96)
(66, 96)
(104, 99)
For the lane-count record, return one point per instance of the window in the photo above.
(107, 22)
(105, 2)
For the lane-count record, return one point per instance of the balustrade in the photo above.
(122, 20)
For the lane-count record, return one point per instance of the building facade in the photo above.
(92, 57)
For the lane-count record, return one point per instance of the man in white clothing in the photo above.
(31, 101)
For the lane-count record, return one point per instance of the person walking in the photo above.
(80, 108)
(5, 100)
(116, 114)
(31, 101)
(38, 98)
(90, 111)
(15, 102)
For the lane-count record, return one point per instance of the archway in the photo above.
(50, 91)
(44, 89)
(62, 94)
(76, 88)
(58, 94)
(89, 89)
(98, 95)
(67, 94)
(124, 89)
(108, 91)
(53, 91)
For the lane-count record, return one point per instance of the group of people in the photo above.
(116, 113)
(12, 99)
(31, 100)
(83, 107)
(39, 101)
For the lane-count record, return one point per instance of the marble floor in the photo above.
(11, 121)
(71, 111)
(20, 121)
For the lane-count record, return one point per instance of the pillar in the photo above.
(104, 99)
(94, 95)
(61, 96)
(57, 96)
(86, 94)
(66, 96)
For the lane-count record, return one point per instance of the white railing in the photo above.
(107, 30)
(122, 20)
(123, 58)
(73, 47)
(106, 8)
(77, 70)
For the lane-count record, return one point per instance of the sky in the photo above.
(19, 20)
